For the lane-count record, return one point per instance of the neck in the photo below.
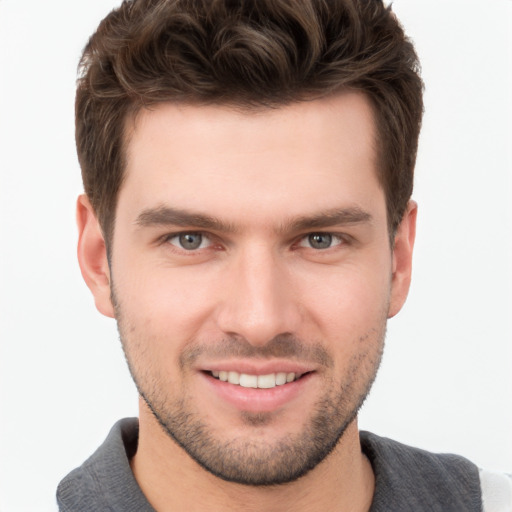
(171, 480)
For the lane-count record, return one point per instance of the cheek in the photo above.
(351, 299)
(166, 302)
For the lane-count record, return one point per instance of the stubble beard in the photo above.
(257, 462)
(249, 460)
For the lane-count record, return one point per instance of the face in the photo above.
(252, 278)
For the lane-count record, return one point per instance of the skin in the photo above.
(256, 284)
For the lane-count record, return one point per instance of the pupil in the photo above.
(190, 241)
(320, 240)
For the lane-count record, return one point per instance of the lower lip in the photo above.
(257, 399)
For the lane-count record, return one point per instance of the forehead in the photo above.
(310, 155)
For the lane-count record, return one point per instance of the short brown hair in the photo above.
(248, 53)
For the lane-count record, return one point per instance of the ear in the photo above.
(402, 259)
(92, 256)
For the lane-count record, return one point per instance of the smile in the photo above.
(256, 381)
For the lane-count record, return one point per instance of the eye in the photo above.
(189, 241)
(320, 241)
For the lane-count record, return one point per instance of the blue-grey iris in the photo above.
(320, 240)
(191, 241)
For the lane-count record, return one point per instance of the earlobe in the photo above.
(92, 256)
(402, 259)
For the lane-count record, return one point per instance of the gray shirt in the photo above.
(406, 479)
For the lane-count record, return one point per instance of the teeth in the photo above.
(267, 381)
(234, 378)
(281, 378)
(248, 381)
(255, 381)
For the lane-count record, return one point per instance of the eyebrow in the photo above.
(165, 215)
(328, 218)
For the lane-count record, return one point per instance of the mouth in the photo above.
(250, 388)
(247, 380)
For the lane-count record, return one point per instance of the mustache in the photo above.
(285, 346)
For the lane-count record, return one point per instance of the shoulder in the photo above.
(408, 478)
(105, 480)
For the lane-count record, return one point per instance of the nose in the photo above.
(258, 301)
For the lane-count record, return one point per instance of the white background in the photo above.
(446, 380)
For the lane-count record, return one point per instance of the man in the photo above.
(247, 220)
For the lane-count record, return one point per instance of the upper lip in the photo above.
(255, 367)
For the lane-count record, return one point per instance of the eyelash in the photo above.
(339, 238)
(334, 237)
(167, 239)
